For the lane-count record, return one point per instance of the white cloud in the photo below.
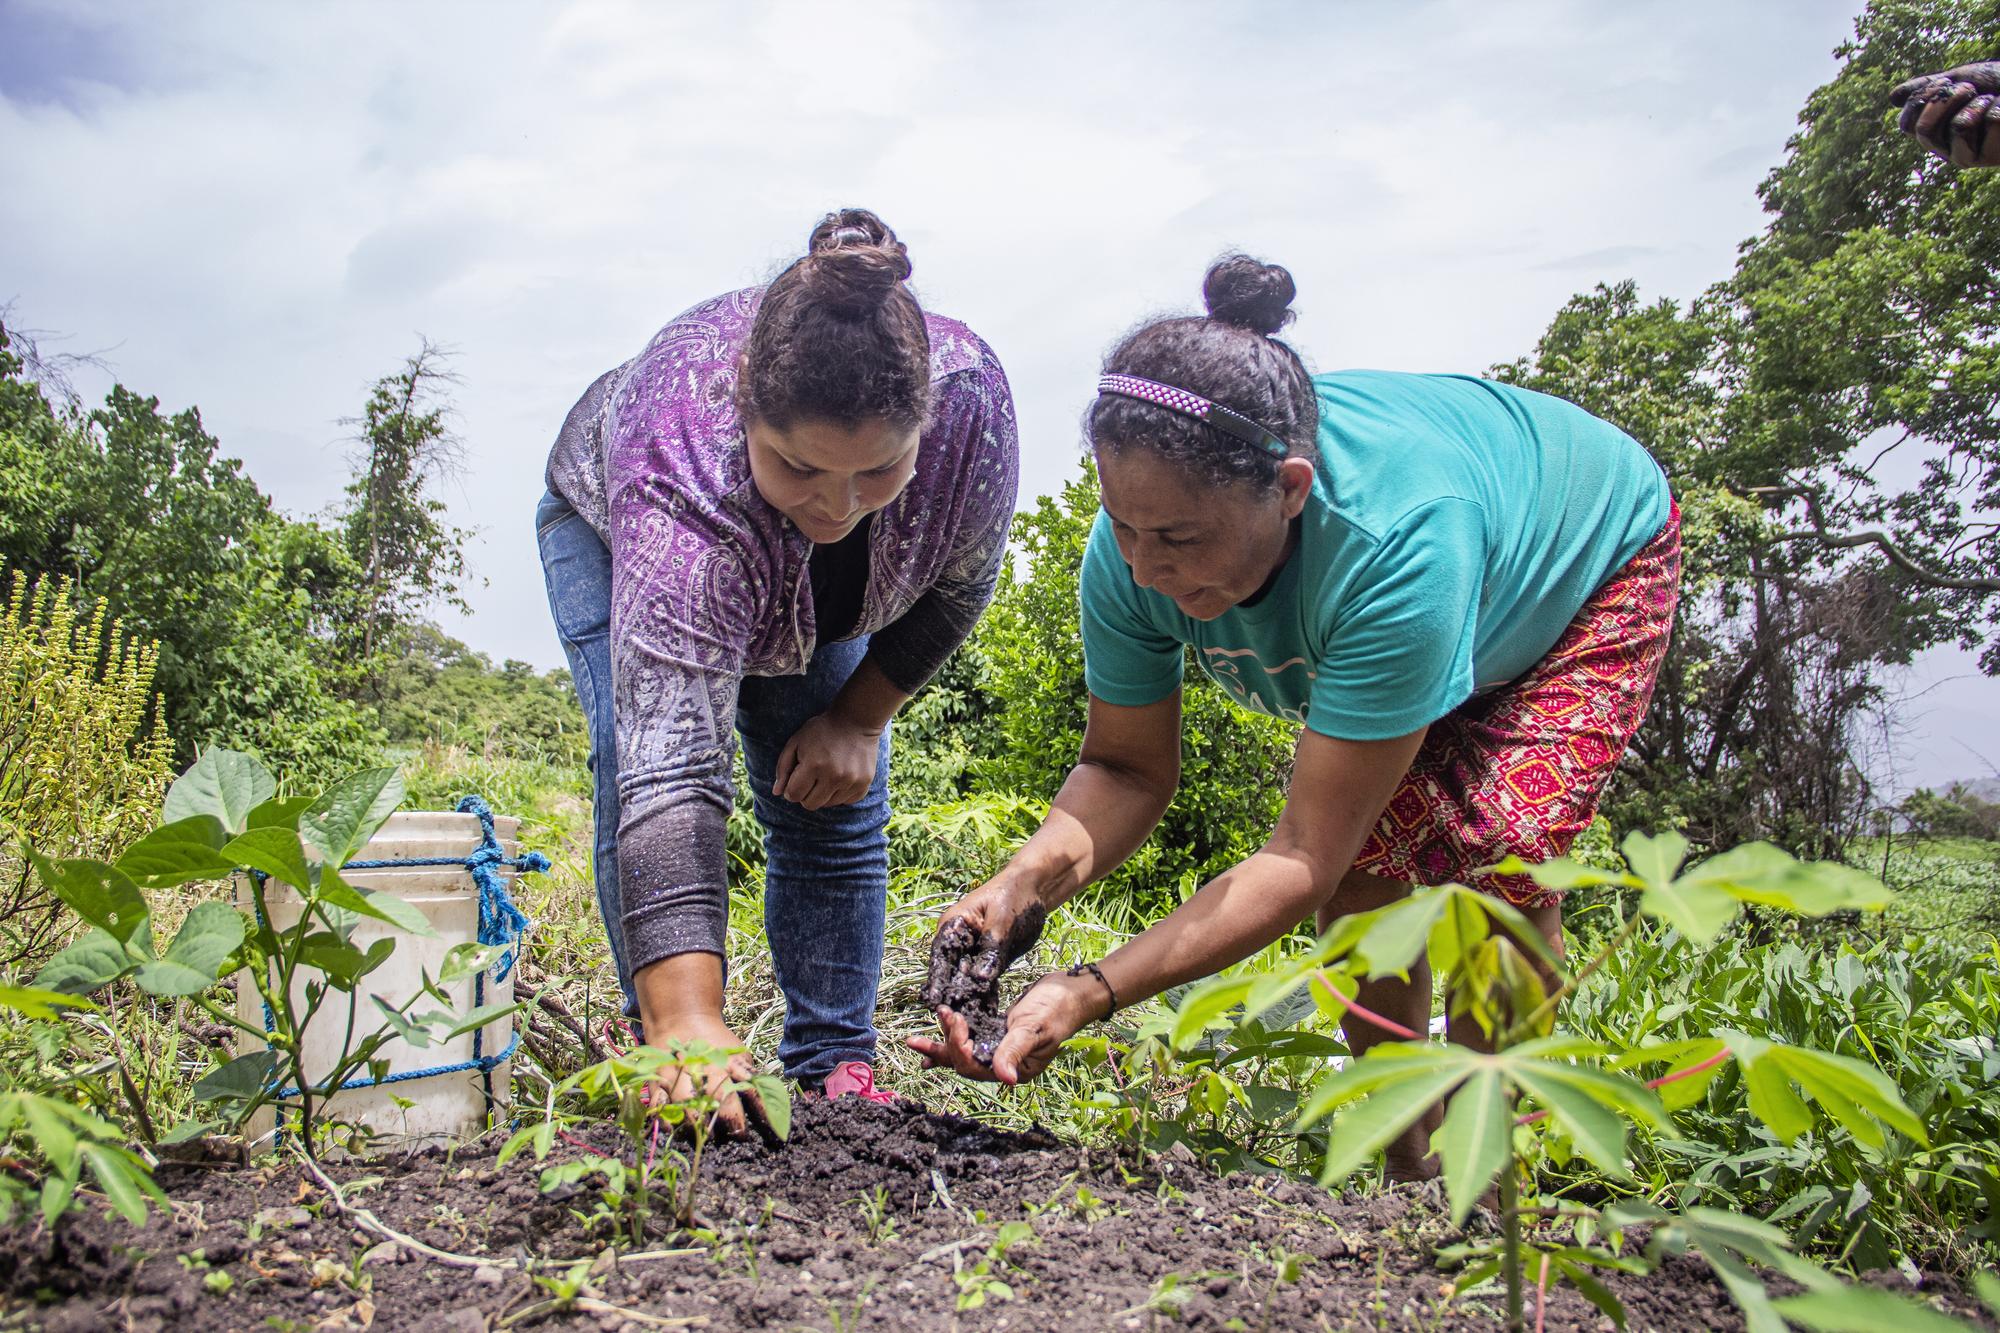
(261, 207)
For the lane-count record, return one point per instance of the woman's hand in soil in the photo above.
(1956, 114)
(734, 1111)
(977, 939)
(828, 761)
(1055, 1009)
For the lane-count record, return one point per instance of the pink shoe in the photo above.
(852, 1076)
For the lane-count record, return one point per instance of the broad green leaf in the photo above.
(1472, 1143)
(1396, 939)
(1655, 859)
(49, 1126)
(1684, 1092)
(1205, 1006)
(194, 961)
(178, 853)
(279, 812)
(1987, 1286)
(1593, 1291)
(1827, 1076)
(186, 1130)
(336, 825)
(465, 959)
(776, 1095)
(1564, 873)
(57, 1193)
(120, 1178)
(276, 852)
(243, 1079)
(222, 783)
(1861, 1309)
(101, 894)
(1760, 873)
(382, 906)
(1580, 1107)
(1698, 910)
(1357, 1135)
(479, 1018)
(1384, 1063)
(1460, 927)
(95, 960)
(414, 1031)
(38, 1003)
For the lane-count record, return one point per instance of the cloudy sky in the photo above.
(260, 208)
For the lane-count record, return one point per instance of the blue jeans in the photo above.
(826, 876)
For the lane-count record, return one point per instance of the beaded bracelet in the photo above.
(1078, 969)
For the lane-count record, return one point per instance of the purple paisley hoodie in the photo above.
(709, 583)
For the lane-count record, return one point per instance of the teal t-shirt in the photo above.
(1455, 528)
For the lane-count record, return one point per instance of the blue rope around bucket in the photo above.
(501, 924)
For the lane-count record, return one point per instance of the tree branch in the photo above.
(1898, 557)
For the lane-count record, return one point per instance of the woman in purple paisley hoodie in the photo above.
(777, 521)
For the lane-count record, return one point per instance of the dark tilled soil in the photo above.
(791, 1247)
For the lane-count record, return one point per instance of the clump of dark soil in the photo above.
(883, 1217)
(965, 974)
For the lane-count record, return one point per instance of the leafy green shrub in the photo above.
(1546, 1098)
(57, 1139)
(1923, 1013)
(224, 818)
(84, 751)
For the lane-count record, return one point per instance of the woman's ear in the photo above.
(1295, 483)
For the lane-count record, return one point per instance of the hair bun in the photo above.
(853, 261)
(1249, 293)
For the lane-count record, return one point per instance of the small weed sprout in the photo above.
(875, 1215)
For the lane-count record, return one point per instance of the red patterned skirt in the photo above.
(1520, 771)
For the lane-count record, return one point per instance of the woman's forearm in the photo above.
(869, 698)
(1099, 818)
(1247, 907)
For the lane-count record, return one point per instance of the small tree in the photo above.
(408, 556)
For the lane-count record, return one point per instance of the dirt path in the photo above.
(792, 1247)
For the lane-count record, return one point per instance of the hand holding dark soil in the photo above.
(1956, 114)
(1053, 1010)
(979, 937)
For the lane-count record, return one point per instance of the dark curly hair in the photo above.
(1228, 357)
(838, 336)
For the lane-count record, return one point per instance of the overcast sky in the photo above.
(259, 208)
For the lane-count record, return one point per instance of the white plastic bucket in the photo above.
(448, 1106)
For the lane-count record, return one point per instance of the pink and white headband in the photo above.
(1229, 422)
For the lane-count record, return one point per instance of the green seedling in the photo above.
(875, 1215)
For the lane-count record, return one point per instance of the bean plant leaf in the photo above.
(274, 851)
(279, 812)
(336, 825)
(479, 1018)
(223, 783)
(240, 1080)
(1761, 873)
(103, 895)
(94, 961)
(398, 912)
(1472, 1143)
(186, 1130)
(194, 961)
(37, 1003)
(776, 1095)
(178, 853)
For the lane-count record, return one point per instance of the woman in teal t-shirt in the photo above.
(1461, 590)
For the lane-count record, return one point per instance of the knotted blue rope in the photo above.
(501, 925)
